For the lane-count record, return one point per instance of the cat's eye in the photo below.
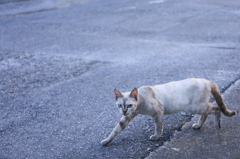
(119, 105)
(130, 106)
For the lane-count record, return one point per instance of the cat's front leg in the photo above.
(158, 126)
(125, 120)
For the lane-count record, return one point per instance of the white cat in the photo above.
(191, 95)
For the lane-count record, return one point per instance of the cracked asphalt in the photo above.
(60, 62)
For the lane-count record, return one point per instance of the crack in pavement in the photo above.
(25, 13)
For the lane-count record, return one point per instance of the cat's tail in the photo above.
(216, 93)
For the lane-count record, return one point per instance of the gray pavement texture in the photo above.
(207, 142)
(60, 61)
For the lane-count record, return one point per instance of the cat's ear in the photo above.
(118, 94)
(134, 93)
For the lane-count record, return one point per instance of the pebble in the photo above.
(149, 149)
(184, 113)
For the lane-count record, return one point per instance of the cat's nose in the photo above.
(124, 111)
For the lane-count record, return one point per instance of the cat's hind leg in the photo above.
(217, 113)
(210, 109)
(200, 122)
(125, 120)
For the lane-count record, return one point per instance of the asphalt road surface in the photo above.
(61, 60)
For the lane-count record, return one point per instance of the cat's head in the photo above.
(126, 102)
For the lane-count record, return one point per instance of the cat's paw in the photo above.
(196, 126)
(104, 142)
(154, 138)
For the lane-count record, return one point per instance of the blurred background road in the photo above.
(60, 61)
